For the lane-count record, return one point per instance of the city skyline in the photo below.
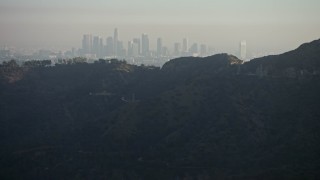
(94, 46)
(272, 26)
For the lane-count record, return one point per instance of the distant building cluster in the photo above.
(135, 51)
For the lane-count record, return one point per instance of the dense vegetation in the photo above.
(195, 118)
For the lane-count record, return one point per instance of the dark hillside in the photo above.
(196, 118)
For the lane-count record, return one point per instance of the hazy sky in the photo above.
(274, 25)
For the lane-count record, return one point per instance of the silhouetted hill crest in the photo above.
(312, 44)
(301, 62)
(219, 63)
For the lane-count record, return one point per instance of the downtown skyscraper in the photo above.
(145, 44)
(138, 45)
(185, 46)
(159, 47)
(177, 49)
(109, 46)
(243, 50)
(115, 42)
(97, 47)
(87, 44)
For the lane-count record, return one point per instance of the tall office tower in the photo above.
(159, 47)
(74, 52)
(115, 42)
(101, 52)
(145, 44)
(135, 49)
(121, 50)
(185, 45)
(96, 45)
(177, 49)
(138, 44)
(87, 44)
(165, 51)
(243, 50)
(109, 47)
(130, 48)
(194, 49)
(203, 50)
